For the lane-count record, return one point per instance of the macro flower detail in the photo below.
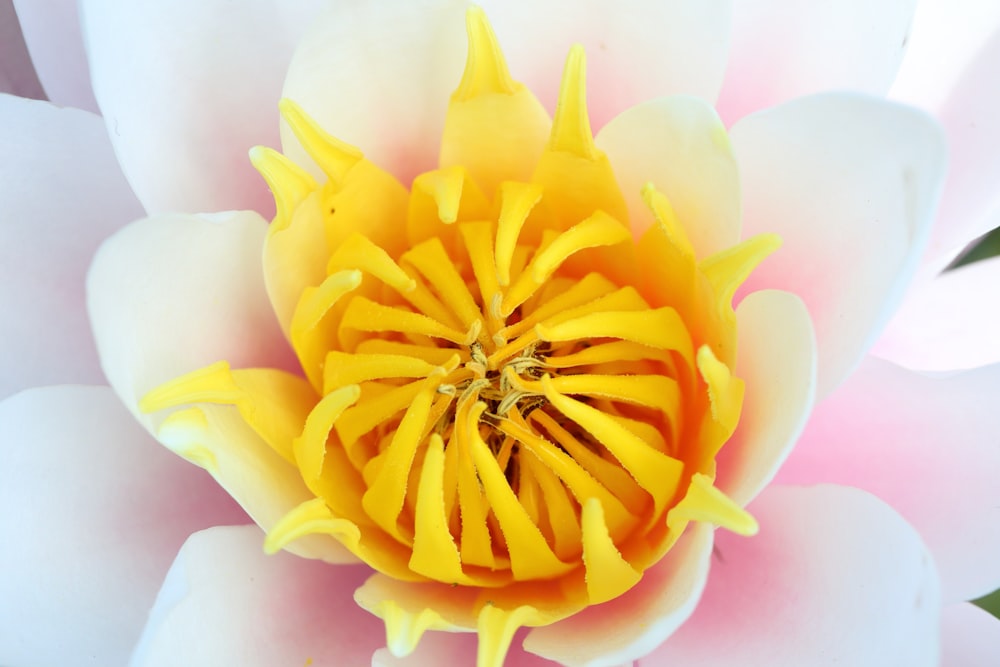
(505, 392)
(488, 367)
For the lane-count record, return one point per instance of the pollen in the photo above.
(508, 399)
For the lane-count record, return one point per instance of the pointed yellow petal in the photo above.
(290, 184)
(608, 574)
(704, 502)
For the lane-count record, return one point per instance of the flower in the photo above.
(860, 567)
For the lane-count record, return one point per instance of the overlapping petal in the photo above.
(62, 194)
(198, 86)
(834, 575)
(850, 183)
(52, 34)
(948, 322)
(783, 50)
(225, 601)
(928, 447)
(93, 510)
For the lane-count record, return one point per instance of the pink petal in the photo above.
(783, 50)
(928, 447)
(970, 637)
(172, 294)
(94, 510)
(850, 184)
(632, 625)
(971, 200)
(834, 577)
(52, 33)
(187, 88)
(948, 322)
(391, 104)
(776, 358)
(61, 194)
(679, 145)
(225, 602)
(17, 76)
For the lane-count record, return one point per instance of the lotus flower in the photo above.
(493, 386)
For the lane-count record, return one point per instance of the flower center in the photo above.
(505, 392)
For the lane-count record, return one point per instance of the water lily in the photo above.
(590, 340)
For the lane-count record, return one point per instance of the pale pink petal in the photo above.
(61, 194)
(944, 38)
(783, 50)
(970, 203)
(17, 75)
(970, 637)
(636, 50)
(850, 183)
(93, 512)
(52, 32)
(834, 577)
(947, 323)
(776, 358)
(680, 146)
(632, 625)
(225, 602)
(172, 294)
(379, 76)
(186, 88)
(928, 447)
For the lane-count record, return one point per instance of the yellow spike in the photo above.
(571, 125)
(663, 211)
(444, 187)
(404, 628)
(517, 201)
(727, 269)
(311, 517)
(289, 183)
(725, 392)
(608, 573)
(704, 502)
(485, 68)
(496, 629)
(333, 156)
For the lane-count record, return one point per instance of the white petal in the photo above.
(928, 447)
(850, 183)
(187, 88)
(173, 294)
(680, 146)
(970, 637)
(834, 577)
(52, 33)
(636, 50)
(631, 625)
(944, 38)
(94, 511)
(61, 194)
(225, 602)
(783, 50)
(949, 322)
(970, 203)
(776, 358)
(379, 76)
